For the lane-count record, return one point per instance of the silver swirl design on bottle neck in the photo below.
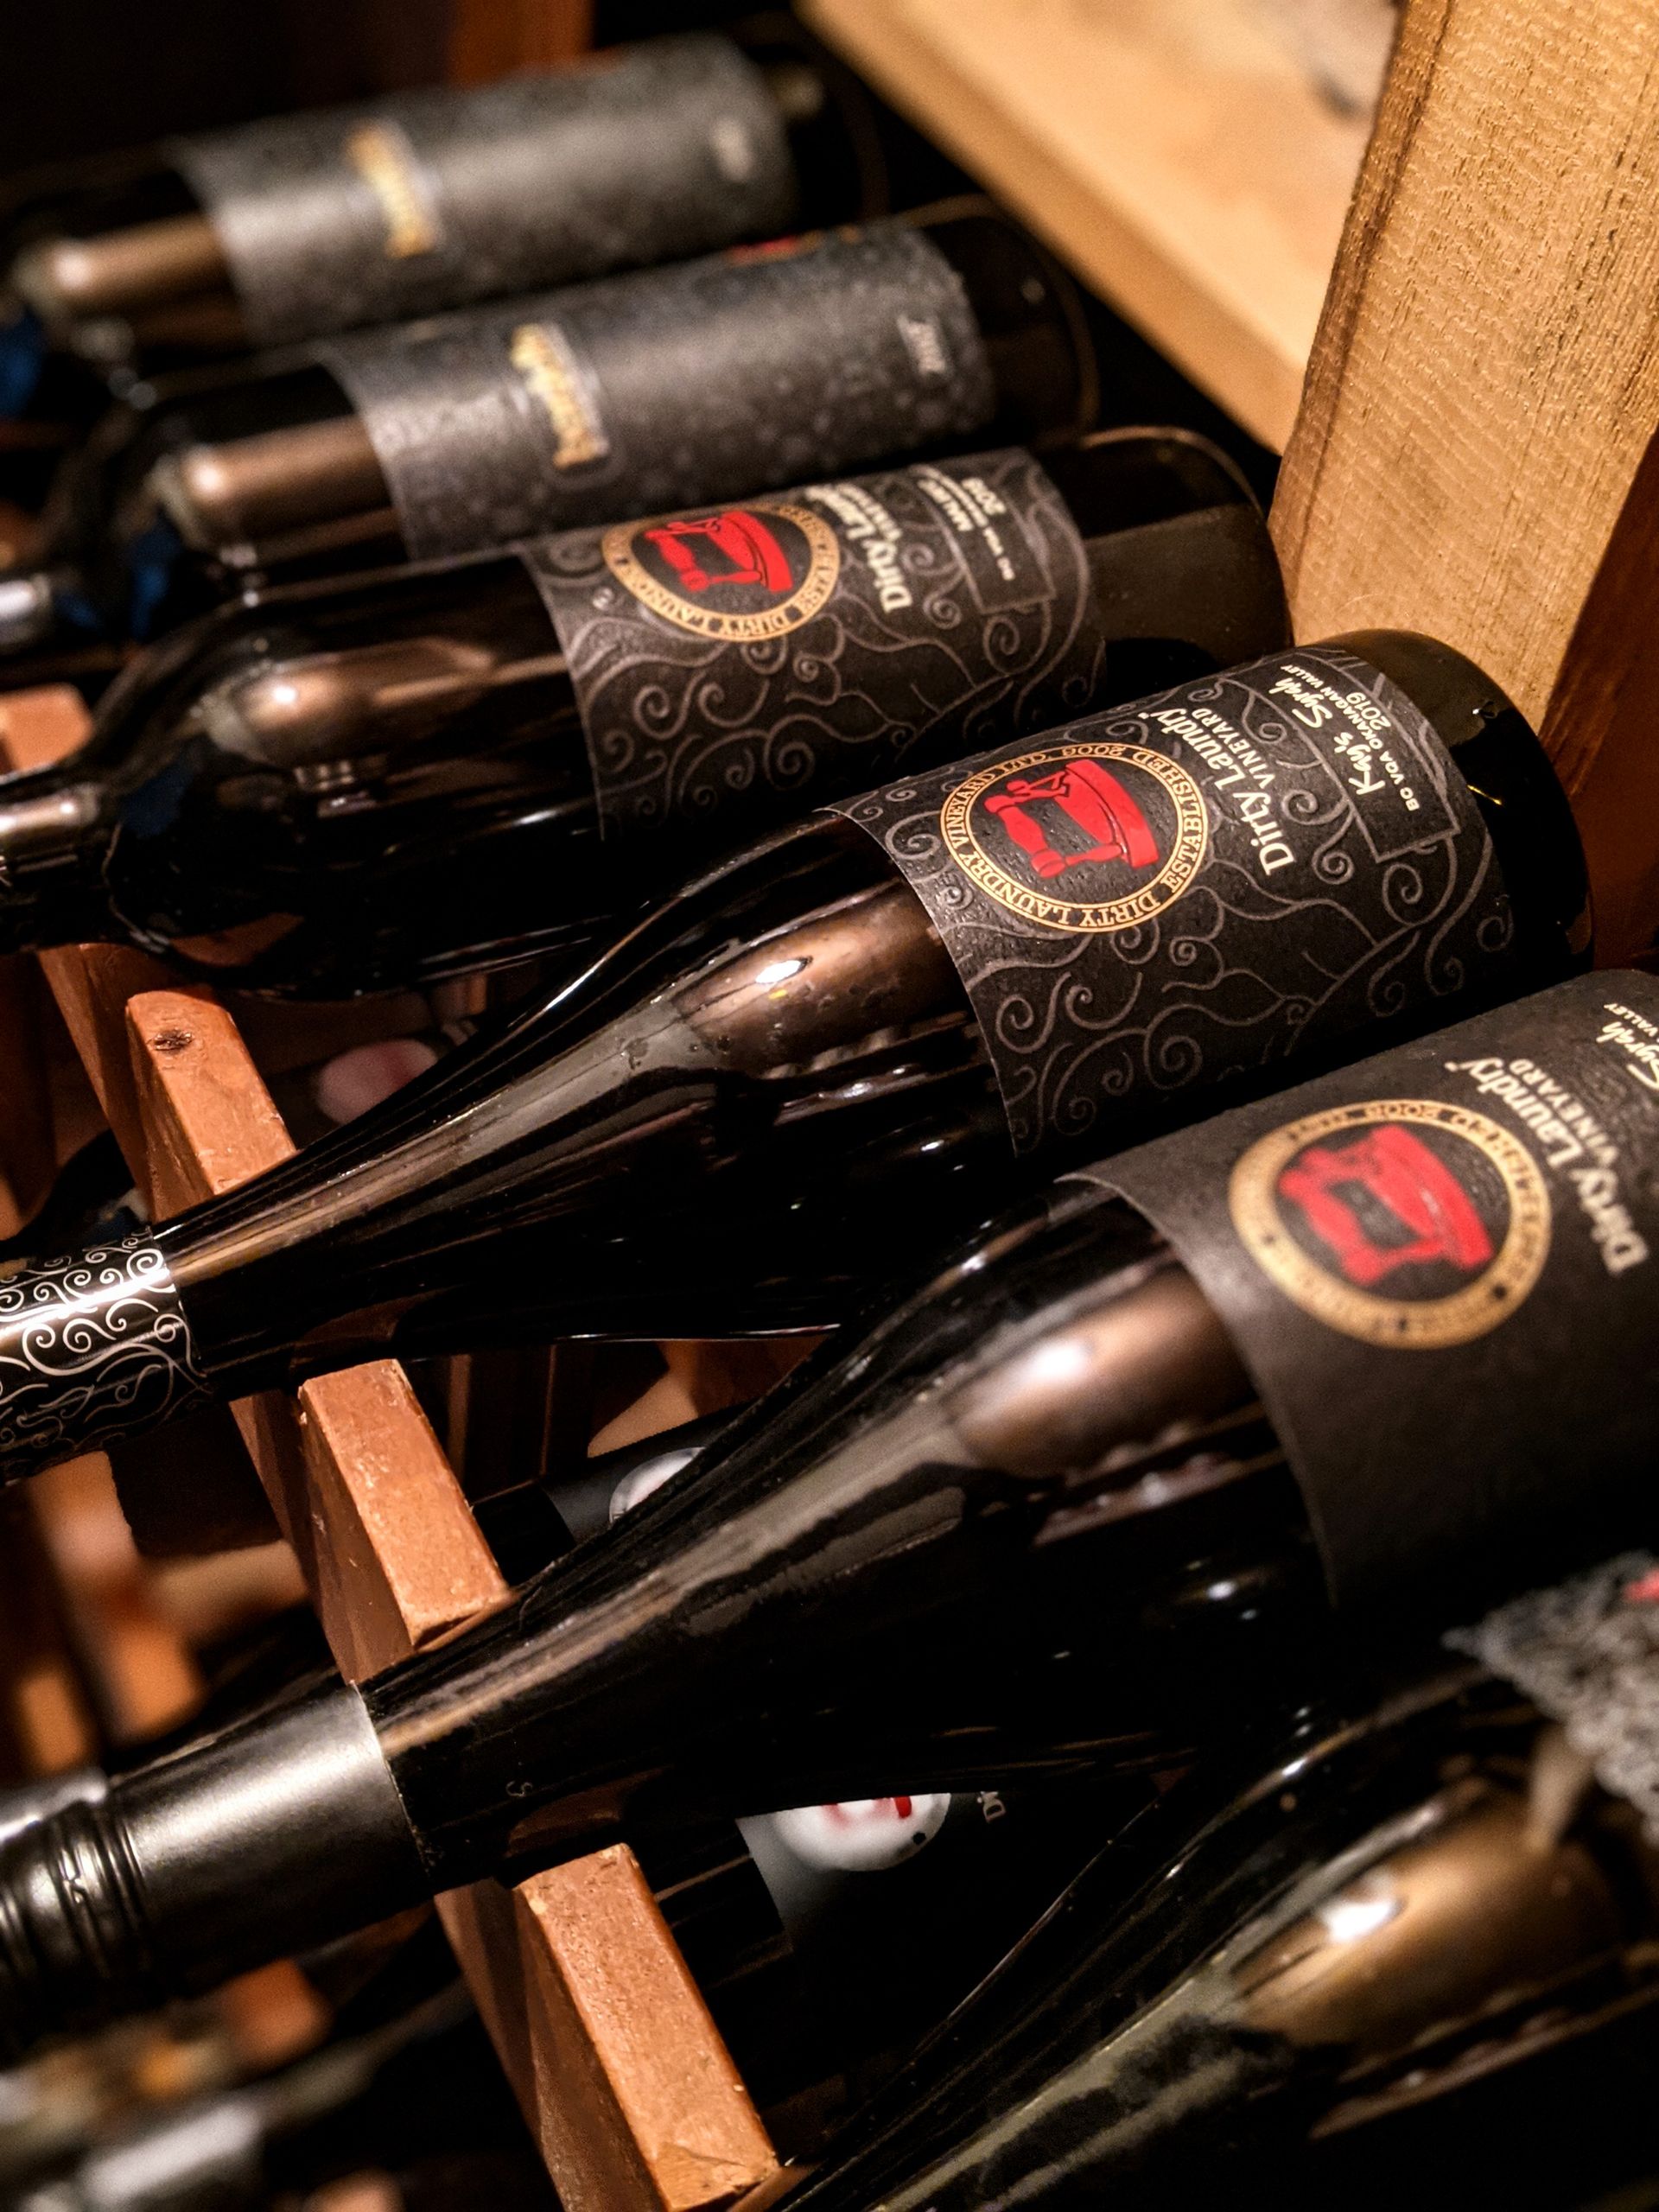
(93, 1347)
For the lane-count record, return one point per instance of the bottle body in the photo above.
(754, 1072)
(610, 1709)
(278, 232)
(338, 791)
(1302, 1989)
(708, 380)
(1055, 1508)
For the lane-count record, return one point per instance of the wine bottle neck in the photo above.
(1031, 319)
(51, 840)
(1191, 593)
(28, 608)
(1181, 566)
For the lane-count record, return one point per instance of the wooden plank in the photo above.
(1473, 454)
(1179, 153)
(491, 38)
(626, 2097)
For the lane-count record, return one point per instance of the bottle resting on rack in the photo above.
(893, 1908)
(1079, 1497)
(424, 2086)
(280, 231)
(706, 381)
(1417, 1928)
(827, 1050)
(394, 781)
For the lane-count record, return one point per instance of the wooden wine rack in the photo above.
(629, 2091)
(1474, 455)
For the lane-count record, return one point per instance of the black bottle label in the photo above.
(1198, 885)
(577, 407)
(1439, 1266)
(425, 200)
(745, 659)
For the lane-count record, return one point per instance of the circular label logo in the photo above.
(1402, 1222)
(1080, 837)
(864, 1835)
(745, 573)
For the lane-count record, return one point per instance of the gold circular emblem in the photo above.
(1438, 1218)
(996, 822)
(730, 574)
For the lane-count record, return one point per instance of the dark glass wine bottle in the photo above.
(426, 2084)
(812, 1060)
(431, 773)
(281, 231)
(1410, 1941)
(1053, 1508)
(710, 380)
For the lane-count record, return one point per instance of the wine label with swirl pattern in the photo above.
(738, 661)
(1194, 887)
(425, 200)
(1441, 1269)
(576, 407)
(92, 1348)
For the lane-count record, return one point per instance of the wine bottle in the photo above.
(824, 1051)
(285, 230)
(1078, 1497)
(1417, 1927)
(434, 773)
(707, 381)
(422, 2085)
(895, 1909)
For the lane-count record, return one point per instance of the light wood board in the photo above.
(1178, 153)
(1474, 456)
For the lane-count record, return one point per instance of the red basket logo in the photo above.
(1093, 798)
(1403, 1176)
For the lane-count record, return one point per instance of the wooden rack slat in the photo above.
(1183, 158)
(631, 2093)
(1476, 455)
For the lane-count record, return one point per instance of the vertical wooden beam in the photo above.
(1469, 458)
(491, 38)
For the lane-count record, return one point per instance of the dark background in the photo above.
(88, 76)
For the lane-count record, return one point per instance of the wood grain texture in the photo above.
(1485, 383)
(1175, 152)
(663, 2118)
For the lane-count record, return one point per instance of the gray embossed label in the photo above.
(738, 661)
(1439, 1267)
(426, 200)
(703, 382)
(1586, 1652)
(1199, 885)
